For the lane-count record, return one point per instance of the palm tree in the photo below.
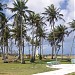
(32, 21)
(53, 14)
(37, 23)
(62, 30)
(2, 15)
(40, 32)
(51, 40)
(17, 36)
(72, 26)
(41, 35)
(6, 36)
(20, 15)
(3, 37)
(3, 22)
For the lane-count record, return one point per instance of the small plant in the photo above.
(32, 59)
(40, 57)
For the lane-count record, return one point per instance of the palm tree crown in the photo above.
(52, 14)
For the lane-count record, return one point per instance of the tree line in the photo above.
(30, 27)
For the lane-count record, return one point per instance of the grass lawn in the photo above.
(71, 73)
(26, 69)
(23, 69)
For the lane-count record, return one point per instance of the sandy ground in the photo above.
(63, 69)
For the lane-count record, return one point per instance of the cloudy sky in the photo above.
(67, 9)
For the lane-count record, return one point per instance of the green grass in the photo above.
(23, 69)
(65, 61)
(28, 68)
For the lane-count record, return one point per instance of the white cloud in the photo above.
(9, 4)
(69, 12)
(39, 5)
(10, 21)
(71, 5)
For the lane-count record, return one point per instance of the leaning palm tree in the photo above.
(53, 14)
(20, 15)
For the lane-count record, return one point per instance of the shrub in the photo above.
(32, 59)
(40, 57)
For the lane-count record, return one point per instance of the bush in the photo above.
(40, 57)
(5, 61)
(32, 59)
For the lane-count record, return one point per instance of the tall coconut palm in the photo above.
(41, 35)
(53, 14)
(37, 23)
(3, 21)
(20, 15)
(32, 21)
(3, 33)
(6, 36)
(17, 36)
(61, 32)
(51, 40)
(72, 26)
(40, 31)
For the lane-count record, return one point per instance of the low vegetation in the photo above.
(71, 73)
(15, 68)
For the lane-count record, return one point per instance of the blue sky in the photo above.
(64, 4)
(67, 9)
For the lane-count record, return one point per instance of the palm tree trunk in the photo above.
(2, 52)
(40, 49)
(55, 52)
(32, 58)
(52, 52)
(35, 47)
(4, 55)
(54, 42)
(34, 52)
(11, 46)
(62, 49)
(7, 50)
(29, 50)
(22, 57)
(23, 52)
(19, 56)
